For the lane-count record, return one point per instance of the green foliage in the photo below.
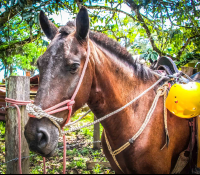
(2, 147)
(97, 169)
(173, 27)
(31, 52)
(84, 151)
(2, 129)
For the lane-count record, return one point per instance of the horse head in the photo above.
(60, 69)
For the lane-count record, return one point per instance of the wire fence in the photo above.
(68, 146)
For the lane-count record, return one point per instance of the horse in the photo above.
(112, 79)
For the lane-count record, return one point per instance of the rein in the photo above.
(15, 103)
(36, 112)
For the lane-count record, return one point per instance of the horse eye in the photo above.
(74, 68)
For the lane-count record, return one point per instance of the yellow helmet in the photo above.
(184, 100)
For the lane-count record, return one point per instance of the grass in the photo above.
(77, 156)
(2, 147)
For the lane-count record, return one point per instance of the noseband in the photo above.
(36, 112)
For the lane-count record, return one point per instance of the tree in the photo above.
(172, 27)
(162, 27)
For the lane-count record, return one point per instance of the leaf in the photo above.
(12, 2)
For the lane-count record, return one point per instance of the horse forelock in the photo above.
(113, 47)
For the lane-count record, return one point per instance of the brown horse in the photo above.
(112, 79)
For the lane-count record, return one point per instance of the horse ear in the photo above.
(82, 24)
(47, 26)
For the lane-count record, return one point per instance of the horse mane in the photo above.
(113, 47)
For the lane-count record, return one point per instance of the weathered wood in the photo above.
(198, 141)
(91, 165)
(2, 111)
(18, 88)
(187, 70)
(2, 118)
(96, 135)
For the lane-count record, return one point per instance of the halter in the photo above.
(36, 112)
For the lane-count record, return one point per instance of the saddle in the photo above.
(165, 64)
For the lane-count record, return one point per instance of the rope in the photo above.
(165, 120)
(188, 77)
(116, 111)
(15, 103)
(64, 155)
(112, 154)
(36, 112)
(44, 166)
(160, 92)
(72, 123)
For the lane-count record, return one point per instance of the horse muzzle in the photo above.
(42, 136)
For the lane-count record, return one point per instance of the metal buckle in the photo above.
(131, 140)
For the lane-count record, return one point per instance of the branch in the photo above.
(168, 16)
(5, 16)
(193, 6)
(132, 5)
(15, 9)
(110, 9)
(185, 45)
(20, 43)
(135, 8)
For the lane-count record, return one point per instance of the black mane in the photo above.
(113, 47)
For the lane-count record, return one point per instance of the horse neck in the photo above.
(114, 85)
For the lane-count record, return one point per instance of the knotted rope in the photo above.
(36, 112)
(118, 110)
(160, 92)
(15, 103)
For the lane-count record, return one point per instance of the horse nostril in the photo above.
(43, 138)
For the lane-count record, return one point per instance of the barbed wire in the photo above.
(58, 149)
(15, 159)
(3, 108)
(6, 107)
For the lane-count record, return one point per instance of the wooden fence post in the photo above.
(96, 136)
(17, 88)
(187, 70)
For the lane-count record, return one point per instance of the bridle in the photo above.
(59, 107)
(69, 103)
(36, 112)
